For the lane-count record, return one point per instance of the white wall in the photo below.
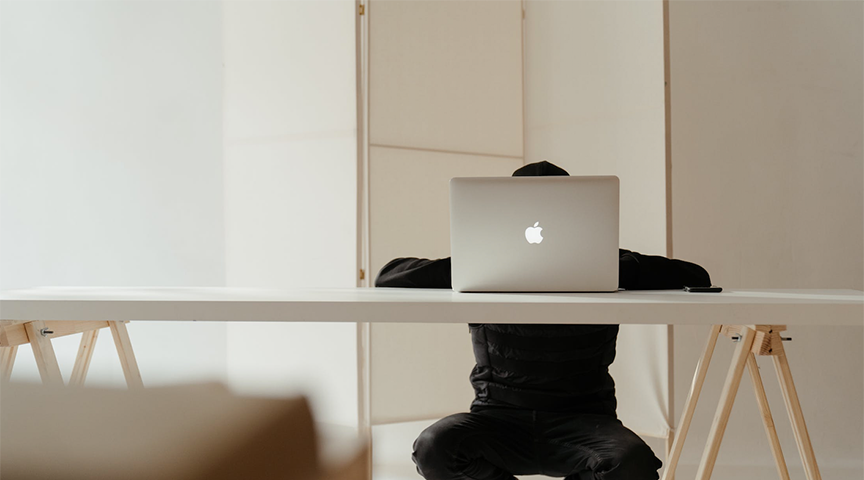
(290, 191)
(110, 165)
(768, 192)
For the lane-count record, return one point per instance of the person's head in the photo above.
(540, 169)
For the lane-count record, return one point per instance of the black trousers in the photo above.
(496, 444)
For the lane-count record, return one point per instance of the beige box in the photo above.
(188, 432)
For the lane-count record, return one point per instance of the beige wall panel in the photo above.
(594, 103)
(446, 75)
(419, 371)
(410, 199)
(767, 193)
(641, 374)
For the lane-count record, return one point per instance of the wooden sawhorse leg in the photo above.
(724, 409)
(767, 418)
(46, 361)
(39, 333)
(82, 361)
(796, 415)
(752, 340)
(127, 357)
(7, 360)
(690, 405)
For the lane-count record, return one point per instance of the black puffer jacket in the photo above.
(560, 368)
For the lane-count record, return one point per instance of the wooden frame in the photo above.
(363, 331)
(39, 333)
(751, 340)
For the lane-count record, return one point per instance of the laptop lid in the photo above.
(534, 234)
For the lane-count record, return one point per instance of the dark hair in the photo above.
(540, 169)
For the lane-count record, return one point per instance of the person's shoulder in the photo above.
(413, 272)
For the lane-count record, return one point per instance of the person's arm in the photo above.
(415, 273)
(636, 272)
(651, 272)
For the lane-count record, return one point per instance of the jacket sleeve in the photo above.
(635, 272)
(650, 272)
(415, 273)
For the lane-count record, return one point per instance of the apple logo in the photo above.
(533, 235)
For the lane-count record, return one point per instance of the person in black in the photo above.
(544, 400)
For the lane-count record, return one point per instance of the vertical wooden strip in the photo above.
(690, 406)
(767, 418)
(362, 206)
(667, 82)
(127, 356)
(724, 408)
(670, 387)
(46, 360)
(82, 361)
(523, 8)
(667, 104)
(365, 173)
(796, 416)
(7, 361)
(364, 248)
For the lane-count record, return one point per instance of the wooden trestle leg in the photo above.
(7, 360)
(127, 356)
(39, 333)
(724, 408)
(796, 416)
(752, 340)
(767, 418)
(690, 406)
(46, 360)
(82, 361)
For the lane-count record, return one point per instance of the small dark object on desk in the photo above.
(711, 289)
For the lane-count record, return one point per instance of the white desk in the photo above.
(761, 309)
(798, 307)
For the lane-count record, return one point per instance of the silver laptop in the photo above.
(534, 234)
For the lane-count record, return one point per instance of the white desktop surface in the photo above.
(788, 307)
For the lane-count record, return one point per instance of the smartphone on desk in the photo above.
(711, 289)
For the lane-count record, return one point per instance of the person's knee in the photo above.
(427, 447)
(435, 447)
(635, 461)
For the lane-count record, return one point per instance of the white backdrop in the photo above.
(111, 166)
(178, 143)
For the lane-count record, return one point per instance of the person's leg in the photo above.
(595, 447)
(487, 445)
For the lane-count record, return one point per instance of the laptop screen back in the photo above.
(534, 234)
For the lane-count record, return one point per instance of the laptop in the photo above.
(534, 234)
